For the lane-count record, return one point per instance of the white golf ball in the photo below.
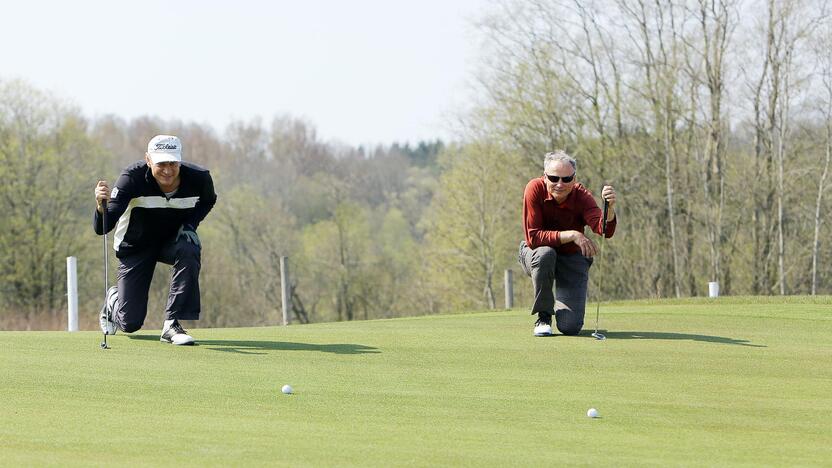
(592, 413)
(287, 389)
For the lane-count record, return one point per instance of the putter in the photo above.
(596, 335)
(106, 262)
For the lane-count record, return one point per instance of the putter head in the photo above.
(104, 345)
(599, 336)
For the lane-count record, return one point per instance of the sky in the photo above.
(361, 71)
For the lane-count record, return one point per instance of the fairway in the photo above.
(698, 382)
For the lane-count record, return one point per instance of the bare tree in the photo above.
(654, 29)
(789, 24)
(715, 21)
(822, 52)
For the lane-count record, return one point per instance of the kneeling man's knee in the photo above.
(570, 329)
(131, 326)
(544, 258)
(569, 322)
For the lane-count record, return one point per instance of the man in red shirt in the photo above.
(556, 251)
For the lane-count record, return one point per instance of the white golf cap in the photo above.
(164, 148)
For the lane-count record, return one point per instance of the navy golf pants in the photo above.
(568, 274)
(136, 271)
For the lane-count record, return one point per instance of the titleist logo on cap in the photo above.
(164, 148)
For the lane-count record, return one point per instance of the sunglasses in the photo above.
(555, 179)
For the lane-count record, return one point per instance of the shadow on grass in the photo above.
(253, 347)
(636, 335)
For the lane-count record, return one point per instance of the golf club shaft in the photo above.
(600, 249)
(106, 257)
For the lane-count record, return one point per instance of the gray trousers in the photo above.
(569, 274)
(136, 271)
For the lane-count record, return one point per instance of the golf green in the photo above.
(733, 381)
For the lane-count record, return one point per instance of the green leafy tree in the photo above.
(48, 166)
(244, 237)
(336, 260)
(474, 225)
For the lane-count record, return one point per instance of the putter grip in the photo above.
(604, 219)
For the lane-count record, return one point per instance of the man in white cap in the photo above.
(155, 207)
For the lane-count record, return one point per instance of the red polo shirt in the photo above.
(544, 218)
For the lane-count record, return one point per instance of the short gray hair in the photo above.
(559, 155)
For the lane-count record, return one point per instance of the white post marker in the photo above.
(284, 288)
(72, 294)
(509, 286)
(713, 289)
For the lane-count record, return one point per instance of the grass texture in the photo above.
(708, 382)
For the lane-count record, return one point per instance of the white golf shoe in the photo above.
(173, 333)
(543, 326)
(105, 318)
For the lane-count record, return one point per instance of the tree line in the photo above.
(347, 218)
(713, 119)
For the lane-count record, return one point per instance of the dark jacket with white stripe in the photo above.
(144, 217)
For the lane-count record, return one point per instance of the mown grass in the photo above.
(702, 382)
